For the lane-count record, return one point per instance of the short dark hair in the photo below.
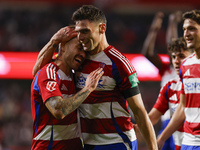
(193, 14)
(89, 12)
(176, 45)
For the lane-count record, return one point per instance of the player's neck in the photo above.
(62, 66)
(100, 47)
(197, 52)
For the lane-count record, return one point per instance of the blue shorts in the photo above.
(117, 146)
(169, 143)
(187, 147)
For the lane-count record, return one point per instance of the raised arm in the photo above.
(61, 107)
(149, 43)
(143, 121)
(176, 121)
(172, 29)
(45, 55)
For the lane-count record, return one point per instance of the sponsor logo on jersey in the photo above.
(192, 87)
(51, 85)
(133, 80)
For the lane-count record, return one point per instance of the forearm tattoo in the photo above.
(72, 103)
(59, 107)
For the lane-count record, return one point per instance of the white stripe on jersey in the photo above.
(178, 137)
(106, 83)
(176, 86)
(123, 60)
(91, 111)
(192, 60)
(60, 132)
(191, 85)
(192, 115)
(95, 139)
(48, 71)
(190, 139)
(51, 71)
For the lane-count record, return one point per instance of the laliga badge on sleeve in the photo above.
(51, 85)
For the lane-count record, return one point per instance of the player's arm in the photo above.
(154, 115)
(176, 121)
(172, 28)
(45, 55)
(149, 43)
(60, 107)
(161, 105)
(143, 121)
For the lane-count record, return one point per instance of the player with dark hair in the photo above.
(169, 95)
(188, 110)
(105, 118)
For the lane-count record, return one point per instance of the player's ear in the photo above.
(102, 28)
(62, 47)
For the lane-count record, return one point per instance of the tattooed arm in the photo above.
(60, 107)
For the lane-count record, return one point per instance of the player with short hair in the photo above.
(169, 95)
(188, 109)
(105, 118)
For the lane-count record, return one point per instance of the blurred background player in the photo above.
(169, 95)
(188, 111)
(166, 71)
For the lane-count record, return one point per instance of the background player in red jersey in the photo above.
(188, 109)
(54, 99)
(166, 70)
(169, 95)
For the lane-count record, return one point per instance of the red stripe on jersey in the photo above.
(192, 128)
(190, 102)
(74, 144)
(87, 68)
(100, 126)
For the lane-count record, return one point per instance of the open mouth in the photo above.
(79, 59)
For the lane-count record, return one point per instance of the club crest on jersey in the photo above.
(81, 82)
(51, 85)
(102, 65)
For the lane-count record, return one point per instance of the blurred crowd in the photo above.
(15, 115)
(29, 30)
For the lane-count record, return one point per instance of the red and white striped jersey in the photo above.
(48, 132)
(104, 114)
(169, 98)
(190, 77)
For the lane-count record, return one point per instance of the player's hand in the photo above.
(160, 143)
(64, 34)
(93, 79)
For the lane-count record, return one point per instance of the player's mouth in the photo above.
(79, 59)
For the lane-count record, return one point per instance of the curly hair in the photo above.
(177, 45)
(89, 12)
(193, 14)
